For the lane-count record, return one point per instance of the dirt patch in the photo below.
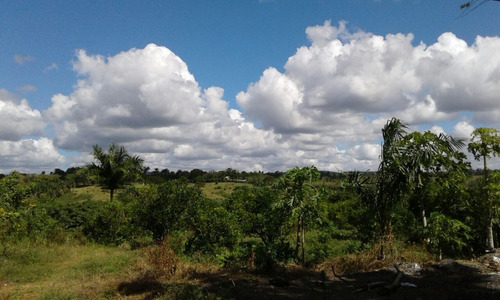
(448, 279)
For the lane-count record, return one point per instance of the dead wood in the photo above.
(381, 287)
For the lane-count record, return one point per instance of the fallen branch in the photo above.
(382, 287)
(340, 277)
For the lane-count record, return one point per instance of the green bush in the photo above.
(162, 209)
(447, 236)
(213, 228)
(108, 224)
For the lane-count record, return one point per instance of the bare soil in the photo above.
(448, 279)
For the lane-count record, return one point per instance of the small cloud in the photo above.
(52, 66)
(463, 130)
(27, 88)
(21, 59)
(7, 96)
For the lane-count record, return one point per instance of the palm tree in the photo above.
(383, 191)
(115, 168)
(406, 159)
(391, 179)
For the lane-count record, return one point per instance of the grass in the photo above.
(219, 190)
(93, 192)
(72, 271)
(210, 190)
(64, 271)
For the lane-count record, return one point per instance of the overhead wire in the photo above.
(470, 6)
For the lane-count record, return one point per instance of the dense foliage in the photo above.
(424, 193)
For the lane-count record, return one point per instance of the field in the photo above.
(219, 190)
(79, 261)
(69, 271)
(91, 192)
(98, 272)
(210, 190)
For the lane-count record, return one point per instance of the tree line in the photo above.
(423, 193)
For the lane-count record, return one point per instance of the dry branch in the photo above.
(382, 287)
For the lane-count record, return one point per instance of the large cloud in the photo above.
(326, 108)
(344, 86)
(148, 100)
(342, 73)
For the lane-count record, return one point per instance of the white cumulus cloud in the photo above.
(326, 108)
(29, 155)
(17, 118)
(147, 100)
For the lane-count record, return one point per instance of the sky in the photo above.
(253, 85)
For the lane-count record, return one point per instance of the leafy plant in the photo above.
(446, 235)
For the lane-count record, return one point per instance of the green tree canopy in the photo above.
(300, 198)
(485, 143)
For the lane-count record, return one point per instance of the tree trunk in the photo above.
(490, 242)
(297, 243)
(424, 218)
(303, 243)
(385, 240)
(111, 193)
(427, 240)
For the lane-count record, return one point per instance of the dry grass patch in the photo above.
(367, 261)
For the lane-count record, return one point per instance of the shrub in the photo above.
(162, 260)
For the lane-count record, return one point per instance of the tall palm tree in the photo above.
(391, 179)
(115, 168)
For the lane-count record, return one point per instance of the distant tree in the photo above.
(59, 172)
(196, 175)
(485, 142)
(115, 168)
(166, 174)
(79, 176)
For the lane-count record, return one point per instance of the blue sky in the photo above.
(244, 48)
